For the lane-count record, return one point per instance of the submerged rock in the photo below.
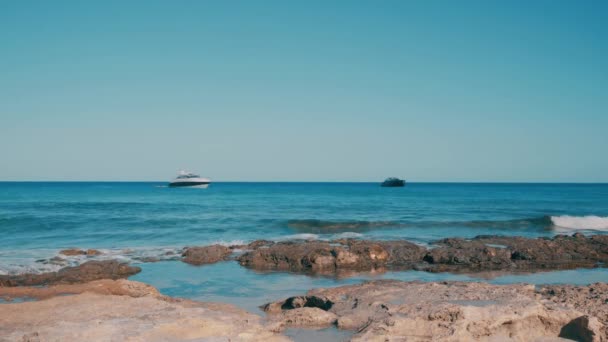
(205, 255)
(447, 311)
(89, 271)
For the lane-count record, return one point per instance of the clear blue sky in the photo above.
(309, 90)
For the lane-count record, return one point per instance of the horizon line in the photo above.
(304, 181)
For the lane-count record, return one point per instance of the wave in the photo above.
(589, 222)
(547, 222)
(327, 227)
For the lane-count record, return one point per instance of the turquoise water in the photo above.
(129, 221)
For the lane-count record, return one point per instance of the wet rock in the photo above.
(89, 271)
(447, 311)
(72, 252)
(259, 243)
(483, 253)
(76, 251)
(517, 253)
(298, 302)
(205, 255)
(324, 257)
(92, 252)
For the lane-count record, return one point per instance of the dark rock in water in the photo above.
(89, 271)
(205, 255)
(298, 302)
(483, 253)
(259, 243)
(324, 257)
(393, 182)
(478, 254)
(76, 251)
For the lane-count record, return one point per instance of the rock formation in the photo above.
(447, 311)
(88, 271)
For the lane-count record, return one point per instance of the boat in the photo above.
(189, 180)
(393, 182)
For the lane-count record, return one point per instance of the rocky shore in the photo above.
(61, 305)
(450, 311)
(374, 311)
(122, 310)
(482, 253)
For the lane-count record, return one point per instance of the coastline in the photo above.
(546, 311)
(372, 311)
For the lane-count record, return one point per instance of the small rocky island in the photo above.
(393, 182)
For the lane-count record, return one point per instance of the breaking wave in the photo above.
(543, 222)
(581, 222)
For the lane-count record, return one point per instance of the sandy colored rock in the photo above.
(452, 311)
(205, 255)
(138, 314)
(592, 299)
(119, 287)
(88, 271)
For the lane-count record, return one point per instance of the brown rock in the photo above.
(93, 252)
(205, 255)
(89, 271)
(72, 252)
(324, 257)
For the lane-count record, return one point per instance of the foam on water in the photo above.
(581, 222)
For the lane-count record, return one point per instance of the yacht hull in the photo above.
(199, 185)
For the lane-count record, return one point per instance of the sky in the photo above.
(507, 91)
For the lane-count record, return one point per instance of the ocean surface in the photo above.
(135, 220)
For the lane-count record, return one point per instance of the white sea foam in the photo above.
(581, 222)
(228, 243)
(298, 237)
(347, 235)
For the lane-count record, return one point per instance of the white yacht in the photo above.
(190, 180)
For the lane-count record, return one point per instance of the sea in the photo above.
(138, 221)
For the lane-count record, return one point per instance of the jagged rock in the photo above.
(510, 253)
(447, 311)
(322, 257)
(89, 271)
(592, 299)
(483, 253)
(205, 255)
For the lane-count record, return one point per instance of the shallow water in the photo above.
(228, 282)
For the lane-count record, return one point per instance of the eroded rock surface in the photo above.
(88, 271)
(205, 255)
(319, 256)
(483, 253)
(517, 253)
(136, 314)
(448, 311)
(592, 299)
